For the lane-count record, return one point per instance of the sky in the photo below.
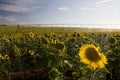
(59, 11)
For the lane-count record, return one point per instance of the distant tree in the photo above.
(3, 24)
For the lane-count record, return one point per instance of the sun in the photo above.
(90, 55)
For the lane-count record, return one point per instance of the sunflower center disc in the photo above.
(92, 54)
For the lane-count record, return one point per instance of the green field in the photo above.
(23, 28)
(52, 53)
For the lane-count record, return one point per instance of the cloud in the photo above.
(63, 8)
(104, 1)
(18, 5)
(8, 18)
(14, 8)
(98, 4)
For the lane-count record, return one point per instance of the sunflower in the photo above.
(1, 57)
(54, 41)
(31, 34)
(6, 38)
(89, 54)
(6, 57)
(31, 52)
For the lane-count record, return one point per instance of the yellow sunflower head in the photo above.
(6, 38)
(31, 52)
(90, 55)
(31, 34)
(6, 57)
(1, 57)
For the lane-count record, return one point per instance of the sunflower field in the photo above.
(57, 55)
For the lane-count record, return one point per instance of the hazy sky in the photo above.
(60, 11)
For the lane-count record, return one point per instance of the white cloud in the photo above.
(18, 5)
(105, 1)
(63, 8)
(14, 8)
(8, 18)
(98, 4)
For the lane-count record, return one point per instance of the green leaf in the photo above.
(106, 70)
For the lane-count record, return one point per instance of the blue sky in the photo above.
(59, 11)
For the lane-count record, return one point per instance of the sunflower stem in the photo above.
(93, 74)
(61, 63)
